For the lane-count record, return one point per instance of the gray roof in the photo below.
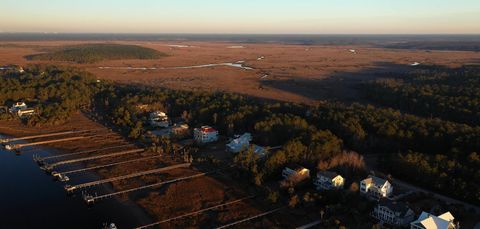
(394, 206)
(295, 167)
(327, 174)
(377, 180)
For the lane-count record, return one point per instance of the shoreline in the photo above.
(129, 206)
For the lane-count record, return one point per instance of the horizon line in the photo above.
(181, 33)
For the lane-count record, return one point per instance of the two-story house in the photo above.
(376, 187)
(393, 213)
(159, 119)
(239, 143)
(429, 221)
(205, 134)
(327, 180)
(295, 172)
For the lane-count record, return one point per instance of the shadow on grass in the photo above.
(340, 86)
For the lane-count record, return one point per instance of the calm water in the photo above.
(29, 198)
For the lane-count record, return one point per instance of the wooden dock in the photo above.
(6, 140)
(71, 188)
(89, 199)
(21, 145)
(51, 166)
(40, 159)
(195, 212)
(108, 165)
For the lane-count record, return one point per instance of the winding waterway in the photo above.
(29, 198)
(238, 64)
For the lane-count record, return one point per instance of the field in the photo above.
(298, 73)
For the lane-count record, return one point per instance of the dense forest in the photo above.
(449, 99)
(435, 151)
(91, 53)
(438, 45)
(54, 92)
(450, 94)
(310, 135)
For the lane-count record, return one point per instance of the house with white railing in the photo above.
(393, 213)
(375, 187)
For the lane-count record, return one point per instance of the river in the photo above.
(29, 198)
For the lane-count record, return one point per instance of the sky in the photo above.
(242, 16)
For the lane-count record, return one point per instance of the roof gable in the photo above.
(447, 216)
(431, 221)
(328, 174)
(376, 180)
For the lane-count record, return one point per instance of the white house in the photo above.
(393, 213)
(205, 134)
(295, 172)
(429, 221)
(18, 106)
(327, 180)
(21, 109)
(376, 187)
(239, 143)
(159, 119)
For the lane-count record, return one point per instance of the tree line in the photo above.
(54, 92)
(315, 136)
(91, 53)
(451, 94)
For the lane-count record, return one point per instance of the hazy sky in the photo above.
(237, 16)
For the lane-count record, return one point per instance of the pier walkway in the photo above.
(36, 158)
(6, 140)
(70, 188)
(21, 145)
(51, 166)
(195, 212)
(109, 165)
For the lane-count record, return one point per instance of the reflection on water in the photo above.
(29, 198)
(238, 64)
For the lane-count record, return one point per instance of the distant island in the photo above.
(92, 53)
